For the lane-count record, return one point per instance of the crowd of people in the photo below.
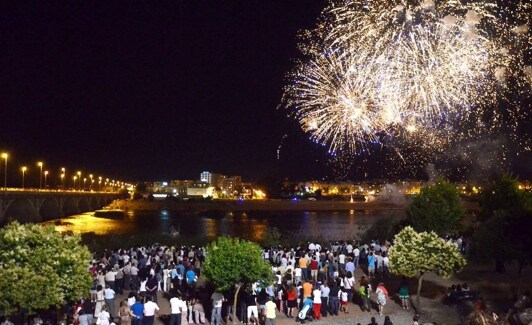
(319, 278)
(312, 282)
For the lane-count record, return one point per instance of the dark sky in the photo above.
(153, 91)
(157, 90)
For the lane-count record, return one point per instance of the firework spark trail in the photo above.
(424, 71)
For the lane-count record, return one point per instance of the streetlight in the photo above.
(79, 177)
(92, 181)
(63, 175)
(40, 174)
(45, 174)
(100, 183)
(24, 168)
(5, 155)
(84, 180)
(74, 178)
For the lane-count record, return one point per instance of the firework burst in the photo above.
(425, 72)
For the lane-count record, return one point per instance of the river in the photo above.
(249, 225)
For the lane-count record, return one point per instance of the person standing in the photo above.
(270, 309)
(124, 313)
(303, 263)
(371, 265)
(404, 293)
(356, 253)
(150, 311)
(109, 296)
(217, 300)
(100, 302)
(324, 299)
(291, 300)
(333, 299)
(363, 291)
(176, 305)
(134, 275)
(152, 286)
(119, 280)
(314, 267)
(104, 318)
(316, 303)
(382, 297)
(191, 277)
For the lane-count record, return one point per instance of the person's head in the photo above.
(416, 318)
(148, 298)
(99, 287)
(349, 274)
(373, 320)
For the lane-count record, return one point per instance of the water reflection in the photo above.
(251, 225)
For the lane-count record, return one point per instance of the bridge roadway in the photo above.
(37, 206)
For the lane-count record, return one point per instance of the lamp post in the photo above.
(24, 168)
(40, 174)
(45, 174)
(100, 183)
(84, 180)
(75, 177)
(63, 177)
(92, 181)
(5, 155)
(79, 177)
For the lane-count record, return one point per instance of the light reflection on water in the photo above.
(252, 225)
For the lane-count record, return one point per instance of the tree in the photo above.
(232, 262)
(415, 253)
(505, 232)
(437, 208)
(40, 268)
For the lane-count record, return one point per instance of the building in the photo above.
(214, 179)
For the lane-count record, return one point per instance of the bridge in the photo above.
(37, 206)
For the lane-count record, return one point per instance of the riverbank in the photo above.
(259, 205)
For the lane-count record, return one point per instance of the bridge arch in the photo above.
(70, 206)
(50, 209)
(21, 209)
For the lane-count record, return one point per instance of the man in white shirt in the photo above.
(341, 262)
(109, 296)
(356, 253)
(176, 305)
(270, 309)
(150, 310)
(216, 315)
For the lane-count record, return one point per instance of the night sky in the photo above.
(154, 91)
(148, 92)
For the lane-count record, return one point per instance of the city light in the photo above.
(40, 164)
(5, 155)
(23, 169)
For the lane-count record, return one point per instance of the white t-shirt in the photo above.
(176, 305)
(341, 259)
(149, 308)
(356, 251)
(110, 276)
(109, 293)
(317, 296)
(297, 271)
